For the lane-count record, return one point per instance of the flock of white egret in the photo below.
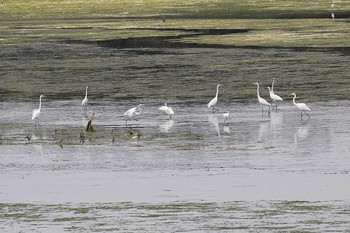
(274, 100)
(132, 112)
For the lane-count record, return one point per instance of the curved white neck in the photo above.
(294, 100)
(139, 109)
(217, 91)
(86, 92)
(257, 90)
(40, 102)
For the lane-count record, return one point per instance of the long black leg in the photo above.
(307, 114)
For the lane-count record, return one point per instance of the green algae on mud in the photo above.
(65, 39)
(16, 9)
(55, 69)
(284, 24)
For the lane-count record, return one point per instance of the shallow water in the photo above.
(252, 157)
(198, 174)
(190, 173)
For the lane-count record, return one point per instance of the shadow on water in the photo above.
(163, 41)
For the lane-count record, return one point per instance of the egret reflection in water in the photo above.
(166, 126)
(264, 129)
(213, 119)
(227, 129)
(276, 122)
(301, 133)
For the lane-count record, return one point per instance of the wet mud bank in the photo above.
(59, 70)
(170, 217)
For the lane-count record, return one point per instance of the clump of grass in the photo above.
(44, 9)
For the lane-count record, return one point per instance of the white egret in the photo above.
(262, 101)
(132, 112)
(85, 100)
(274, 98)
(213, 118)
(168, 110)
(214, 101)
(302, 106)
(36, 112)
(226, 116)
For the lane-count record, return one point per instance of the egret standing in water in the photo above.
(262, 101)
(226, 116)
(36, 112)
(214, 101)
(132, 112)
(274, 98)
(302, 106)
(85, 100)
(168, 110)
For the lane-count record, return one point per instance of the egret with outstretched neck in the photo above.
(302, 106)
(274, 98)
(262, 101)
(36, 112)
(132, 112)
(214, 101)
